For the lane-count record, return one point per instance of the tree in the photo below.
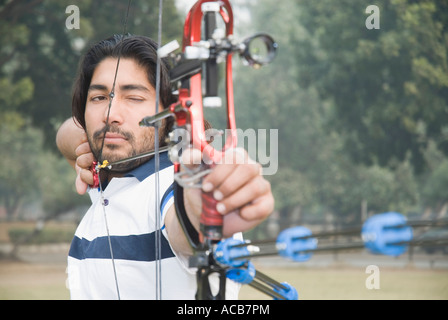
(20, 145)
(36, 44)
(317, 93)
(389, 86)
(434, 182)
(56, 185)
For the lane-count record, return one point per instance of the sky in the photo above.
(185, 5)
(240, 14)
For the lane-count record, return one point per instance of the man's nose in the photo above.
(114, 114)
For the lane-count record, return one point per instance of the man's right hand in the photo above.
(71, 140)
(84, 160)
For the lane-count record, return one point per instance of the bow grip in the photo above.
(211, 220)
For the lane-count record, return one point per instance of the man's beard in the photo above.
(106, 151)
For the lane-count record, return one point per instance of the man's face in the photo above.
(134, 99)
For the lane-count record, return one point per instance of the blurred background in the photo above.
(361, 114)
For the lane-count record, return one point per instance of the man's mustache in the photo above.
(100, 134)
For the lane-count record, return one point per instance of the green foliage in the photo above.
(434, 189)
(13, 94)
(29, 172)
(361, 113)
(20, 144)
(57, 185)
(292, 188)
(384, 83)
(45, 236)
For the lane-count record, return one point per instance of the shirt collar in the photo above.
(148, 168)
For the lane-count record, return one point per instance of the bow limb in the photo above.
(192, 37)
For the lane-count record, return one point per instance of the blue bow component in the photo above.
(387, 234)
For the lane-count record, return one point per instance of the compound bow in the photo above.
(202, 51)
(205, 45)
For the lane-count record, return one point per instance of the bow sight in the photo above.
(257, 50)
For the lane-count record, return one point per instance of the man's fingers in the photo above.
(191, 157)
(84, 156)
(81, 186)
(244, 196)
(82, 149)
(235, 163)
(83, 179)
(86, 176)
(248, 216)
(234, 179)
(258, 209)
(216, 178)
(85, 160)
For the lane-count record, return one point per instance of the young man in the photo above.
(121, 220)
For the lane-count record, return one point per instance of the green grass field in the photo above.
(23, 281)
(349, 284)
(43, 280)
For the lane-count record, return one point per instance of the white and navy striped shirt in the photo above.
(130, 207)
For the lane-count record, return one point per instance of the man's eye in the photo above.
(98, 98)
(136, 99)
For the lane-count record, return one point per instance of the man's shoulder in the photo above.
(150, 167)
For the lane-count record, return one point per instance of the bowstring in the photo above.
(158, 218)
(103, 203)
(158, 235)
